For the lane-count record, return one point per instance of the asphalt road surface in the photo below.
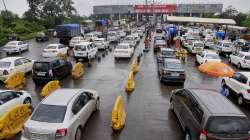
(148, 115)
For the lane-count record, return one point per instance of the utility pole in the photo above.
(4, 5)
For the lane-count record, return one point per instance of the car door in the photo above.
(27, 64)
(240, 83)
(57, 69)
(233, 58)
(233, 82)
(8, 100)
(63, 67)
(199, 58)
(19, 65)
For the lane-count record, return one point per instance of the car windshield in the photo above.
(227, 44)
(228, 125)
(168, 53)
(80, 48)
(213, 56)
(111, 34)
(98, 41)
(160, 42)
(49, 113)
(198, 44)
(76, 39)
(122, 47)
(51, 47)
(129, 38)
(11, 43)
(158, 38)
(173, 65)
(41, 67)
(4, 64)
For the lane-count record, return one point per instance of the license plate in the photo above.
(41, 73)
(39, 137)
(80, 53)
(175, 74)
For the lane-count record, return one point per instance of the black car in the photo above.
(208, 115)
(165, 53)
(50, 69)
(171, 70)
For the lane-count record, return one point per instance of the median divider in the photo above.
(62, 56)
(118, 114)
(50, 87)
(130, 86)
(77, 71)
(15, 81)
(11, 122)
(135, 66)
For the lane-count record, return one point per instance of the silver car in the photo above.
(62, 115)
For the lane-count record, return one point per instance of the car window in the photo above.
(49, 113)
(80, 48)
(24, 60)
(20, 43)
(4, 64)
(79, 103)
(6, 96)
(18, 62)
(55, 63)
(240, 78)
(173, 65)
(41, 67)
(198, 113)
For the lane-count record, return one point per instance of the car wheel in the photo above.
(223, 83)
(97, 106)
(171, 105)
(240, 100)
(229, 60)
(78, 135)
(27, 101)
(239, 66)
(187, 136)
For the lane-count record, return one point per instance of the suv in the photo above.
(165, 53)
(207, 115)
(50, 69)
(85, 50)
(240, 59)
(224, 47)
(61, 115)
(240, 85)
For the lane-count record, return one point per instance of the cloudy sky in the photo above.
(84, 7)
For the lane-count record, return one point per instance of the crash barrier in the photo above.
(11, 123)
(50, 87)
(130, 86)
(181, 54)
(62, 56)
(15, 81)
(77, 71)
(118, 114)
(135, 66)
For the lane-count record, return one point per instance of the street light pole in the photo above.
(4, 5)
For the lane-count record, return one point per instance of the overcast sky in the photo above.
(84, 7)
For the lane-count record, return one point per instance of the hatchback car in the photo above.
(131, 40)
(207, 56)
(11, 98)
(63, 119)
(165, 53)
(101, 43)
(16, 47)
(224, 47)
(207, 115)
(195, 47)
(123, 50)
(240, 59)
(53, 50)
(50, 69)
(76, 40)
(85, 50)
(11, 65)
(171, 70)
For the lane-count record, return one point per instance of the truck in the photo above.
(67, 31)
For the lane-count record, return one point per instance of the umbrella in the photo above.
(217, 69)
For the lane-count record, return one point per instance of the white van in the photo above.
(85, 50)
(90, 37)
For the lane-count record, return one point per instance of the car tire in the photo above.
(187, 135)
(239, 66)
(78, 135)
(240, 100)
(229, 60)
(171, 105)
(97, 106)
(223, 83)
(27, 101)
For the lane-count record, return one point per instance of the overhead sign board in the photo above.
(166, 8)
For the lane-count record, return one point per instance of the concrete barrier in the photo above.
(50, 87)
(15, 81)
(135, 66)
(130, 86)
(11, 123)
(118, 114)
(77, 71)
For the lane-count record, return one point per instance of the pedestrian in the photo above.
(224, 91)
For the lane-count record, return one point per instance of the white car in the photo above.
(137, 37)
(16, 47)
(224, 47)
(195, 47)
(101, 43)
(209, 42)
(61, 115)
(131, 40)
(113, 36)
(90, 37)
(187, 41)
(11, 98)
(121, 34)
(240, 59)
(123, 50)
(207, 56)
(11, 65)
(76, 40)
(53, 50)
(85, 50)
(140, 32)
(239, 84)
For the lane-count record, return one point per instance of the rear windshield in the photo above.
(228, 125)
(198, 44)
(168, 53)
(122, 47)
(49, 113)
(41, 66)
(51, 47)
(5, 64)
(173, 65)
(227, 45)
(80, 48)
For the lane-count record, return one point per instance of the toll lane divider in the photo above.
(15, 81)
(77, 71)
(11, 122)
(50, 87)
(118, 114)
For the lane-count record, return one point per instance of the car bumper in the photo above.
(11, 50)
(122, 55)
(49, 55)
(173, 79)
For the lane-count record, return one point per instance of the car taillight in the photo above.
(61, 132)
(248, 91)
(50, 73)
(5, 72)
(203, 135)
(54, 51)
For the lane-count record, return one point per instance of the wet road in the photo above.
(148, 115)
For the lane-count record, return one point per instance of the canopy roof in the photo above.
(201, 20)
